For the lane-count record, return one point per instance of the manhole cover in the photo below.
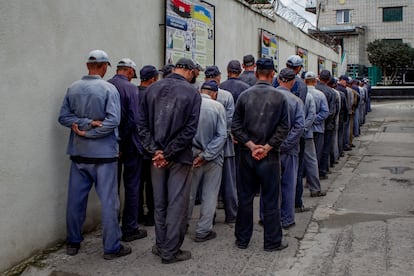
(397, 170)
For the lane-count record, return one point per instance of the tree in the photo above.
(390, 56)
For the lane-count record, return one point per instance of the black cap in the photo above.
(166, 69)
(344, 77)
(185, 63)
(333, 81)
(248, 60)
(198, 66)
(287, 74)
(210, 85)
(148, 72)
(325, 75)
(265, 64)
(234, 66)
(212, 71)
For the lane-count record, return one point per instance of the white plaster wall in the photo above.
(237, 34)
(43, 47)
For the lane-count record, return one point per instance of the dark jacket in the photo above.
(262, 116)
(168, 118)
(235, 86)
(331, 98)
(248, 77)
(128, 132)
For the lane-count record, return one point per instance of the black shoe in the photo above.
(182, 255)
(72, 249)
(302, 209)
(282, 246)
(260, 223)
(156, 251)
(230, 221)
(136, 235)
(323, 177)
(240, 245)
(347, 149)
(211, 235)
(123, 251)
(287, 226)
(317, 193)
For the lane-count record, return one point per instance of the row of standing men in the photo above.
(178, 139)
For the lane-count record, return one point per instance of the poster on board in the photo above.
(334, 69)
(321, 64)
(304, 55)
(270, 47)
(189, 31)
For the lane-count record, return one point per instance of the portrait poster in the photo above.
(321, 64)
(303, 53)
(334, 69)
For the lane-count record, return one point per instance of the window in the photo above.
(393, 40)
(343, 16)
(392, 14)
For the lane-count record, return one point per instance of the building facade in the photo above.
(353, 24)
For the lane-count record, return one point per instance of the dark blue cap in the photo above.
(166, 69)
(234, 66)
(248, 60)
(344, 77)
(185, 63)
(148, 72)
(265, 64)
(212, 71)
(325, 75)
(210, 85)
(287, 74)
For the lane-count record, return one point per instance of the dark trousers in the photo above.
(132, 163)
(172, 186)
(318, 140)
(341, 142)
(327, 145)
(146, 188)
(228, 189)
(299, 181)
(266, 175)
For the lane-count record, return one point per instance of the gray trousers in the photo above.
(310, 166)
(209, 177)
(171, 197)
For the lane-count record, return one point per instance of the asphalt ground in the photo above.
(364, 226)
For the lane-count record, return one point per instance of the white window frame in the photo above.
(341, 17)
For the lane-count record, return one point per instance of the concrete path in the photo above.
(364, 226)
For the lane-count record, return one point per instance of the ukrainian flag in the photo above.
(202, 14)
(273, 43)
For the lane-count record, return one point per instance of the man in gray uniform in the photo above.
(314, 136)
(92, 110)
(208, 159)
(228, 181)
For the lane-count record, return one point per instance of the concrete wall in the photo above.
(44, 44)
